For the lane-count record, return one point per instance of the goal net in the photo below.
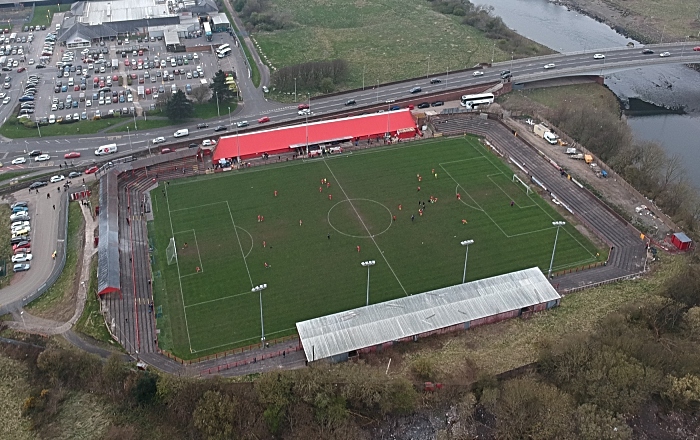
(171, 251)
(518, 179)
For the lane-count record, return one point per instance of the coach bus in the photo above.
(222, 48)
(474, 101)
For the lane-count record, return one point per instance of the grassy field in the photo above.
(589, 95)
(58, 302)
(41, 12)
(314, 267)
(387, 39)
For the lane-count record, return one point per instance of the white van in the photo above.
(181, 133)
(223, 53)
(106, 149)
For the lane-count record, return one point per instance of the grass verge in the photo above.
(208, 110)
(592, 96)
(141, 125)
(5, 246)
(91, 322)
(58, 302)
(42, 12)
(254, 71)
(14, 130)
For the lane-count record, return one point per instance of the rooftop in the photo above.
(343, 332)
(96, 12)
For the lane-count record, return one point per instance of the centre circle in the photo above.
(359, 218)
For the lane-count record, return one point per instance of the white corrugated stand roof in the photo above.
(404, 317)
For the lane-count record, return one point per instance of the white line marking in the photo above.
(198, 206)
(240, 245)
(179, 276)
(365, 226)
(219, 299)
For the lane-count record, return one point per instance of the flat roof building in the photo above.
(89, 21)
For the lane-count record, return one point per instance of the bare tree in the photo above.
(671, 172)
(200, 94)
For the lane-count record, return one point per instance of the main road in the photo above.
(255, 105)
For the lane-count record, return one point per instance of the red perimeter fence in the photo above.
(232, 352)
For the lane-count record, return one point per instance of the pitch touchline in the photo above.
(366, 228)
(177, 264)
(198, 206)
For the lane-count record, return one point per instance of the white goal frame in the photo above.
(171, 252)
(527, 187)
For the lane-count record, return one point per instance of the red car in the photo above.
(133, 76)
(303, 106)
(71, 155)
(26, 245)
(126, 63)
(264, 119)
(148, 91)
(696, 48)
(76, 88)
(21, 69)
(102, 84)
(91, 170)
(115, 78)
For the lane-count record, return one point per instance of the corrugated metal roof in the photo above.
(682, 237)
(400, 318)
(108, 273)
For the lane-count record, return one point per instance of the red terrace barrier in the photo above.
(580, 268)
(233, 351)
(248, 361)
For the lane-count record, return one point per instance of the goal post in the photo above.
(527, 187)
(171, 251)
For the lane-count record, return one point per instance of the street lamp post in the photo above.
(368, 264)
(128, 133)
(427, 73)
(229, 115)
(37, 127)
(511, 62)
(218, 113)
(259, 289)
(363, 77)
(238, 144)
(558, 224)
(466, 244)
(295, 90)
(135, 127)
(21, 314)
(493, 52)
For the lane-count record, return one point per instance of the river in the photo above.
(562, 30)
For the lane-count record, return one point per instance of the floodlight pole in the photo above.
(368, 264)
(218, 113)
(128, 133)
(21, 314)
(466, 244)
(551, 262)
(259, 289)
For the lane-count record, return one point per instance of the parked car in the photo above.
(21, 258)
(36, 185)
(91, 170)
(58, 178)
(21, 267)
(74, 174)
(19, 160)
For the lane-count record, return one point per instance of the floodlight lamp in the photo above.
(467, 242)
(559, 223)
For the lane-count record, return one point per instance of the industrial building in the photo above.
(344, 335)
(90, 21)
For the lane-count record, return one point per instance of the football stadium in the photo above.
(242, 257)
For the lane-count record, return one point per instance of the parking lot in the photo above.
(111, 77)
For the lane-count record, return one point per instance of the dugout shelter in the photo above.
(343, 335)
(321, 134)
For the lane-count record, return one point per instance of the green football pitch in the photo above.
(314, 235)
